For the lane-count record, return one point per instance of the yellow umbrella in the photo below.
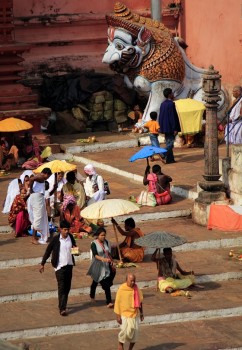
(190, 114)
(56, 166)
(109, 208)
(14, 125)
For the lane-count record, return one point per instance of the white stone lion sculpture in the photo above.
(148, 56)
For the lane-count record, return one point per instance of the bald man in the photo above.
(128, 308)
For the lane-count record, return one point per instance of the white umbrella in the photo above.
(109, 208)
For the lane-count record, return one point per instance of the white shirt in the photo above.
(39, 187)
(65, 257)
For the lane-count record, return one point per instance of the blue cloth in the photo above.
(168, 118)
(52, 229)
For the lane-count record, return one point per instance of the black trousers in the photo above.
(106, 289)
(106, 285)
(64, 276)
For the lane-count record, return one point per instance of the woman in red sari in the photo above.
(71, 213)
(158, 183)
(18, 217)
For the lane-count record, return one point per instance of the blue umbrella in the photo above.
(146, 152)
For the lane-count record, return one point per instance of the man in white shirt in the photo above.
(62, 260)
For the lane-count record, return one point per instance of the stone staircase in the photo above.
(210, 319)
(29, 299)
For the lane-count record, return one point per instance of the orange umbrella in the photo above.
(14, 125)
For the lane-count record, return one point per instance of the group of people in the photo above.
(19, 151)
(35, 199)
(128, 302)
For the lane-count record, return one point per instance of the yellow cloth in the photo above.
(190, 114)
(14, 150)
(46, 152)
(124, 302)
(153, 126)
(175, 283)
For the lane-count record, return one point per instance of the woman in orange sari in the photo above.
(130, 252)
(18, 217)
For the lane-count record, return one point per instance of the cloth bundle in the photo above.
(146, 198)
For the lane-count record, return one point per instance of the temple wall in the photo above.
(213, 33)
(69, 35)
(65, 35)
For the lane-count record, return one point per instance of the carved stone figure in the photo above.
(148, 56)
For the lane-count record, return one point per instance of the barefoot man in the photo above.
(37, 208)
(128, 308)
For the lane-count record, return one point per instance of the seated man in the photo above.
(8, 158)
(130, 252)
(168, 279)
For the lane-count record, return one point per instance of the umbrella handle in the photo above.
(147, 159)
(55, 193)
(116, 237)
(158, 268)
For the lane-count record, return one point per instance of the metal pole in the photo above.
(156, 9)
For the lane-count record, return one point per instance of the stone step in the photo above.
(20, 284)
(207, 334)
(39, 319)
(20, 252)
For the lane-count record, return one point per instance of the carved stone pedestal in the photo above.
(201, 207)
(212, 188)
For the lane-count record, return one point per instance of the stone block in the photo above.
(236, 158)
(200, 212)
(235, 181)
(236, 198)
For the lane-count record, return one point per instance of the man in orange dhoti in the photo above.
(127, 304)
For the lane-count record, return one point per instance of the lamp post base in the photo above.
(201, 206)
